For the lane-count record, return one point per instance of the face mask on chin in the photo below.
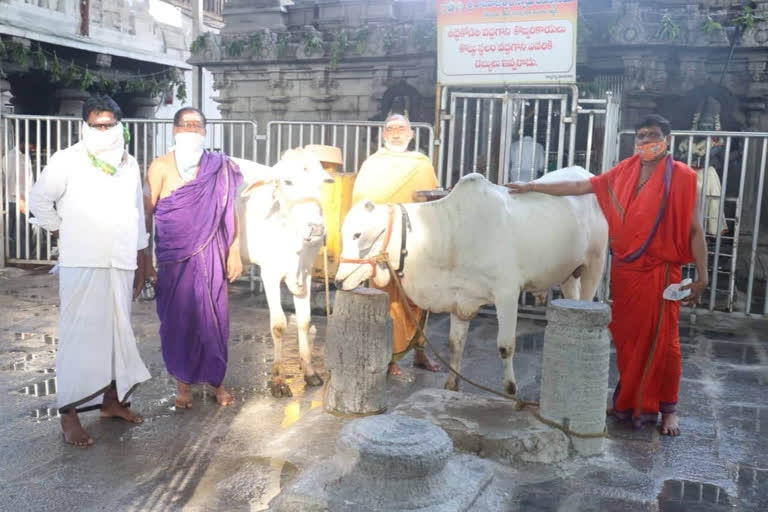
(188, 150)
(107, 145)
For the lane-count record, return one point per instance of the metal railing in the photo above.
(520, 135)
(730, 211)
(27, 143)
(356, 139)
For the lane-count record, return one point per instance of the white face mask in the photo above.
(188, 149)
(107, 145)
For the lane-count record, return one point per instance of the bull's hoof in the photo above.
(313, 380)
(451, 385)
(280, 390)
(510, 388)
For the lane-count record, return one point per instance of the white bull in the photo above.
(480, 245)
(282, 231)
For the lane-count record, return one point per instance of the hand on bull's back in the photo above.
(519, 187)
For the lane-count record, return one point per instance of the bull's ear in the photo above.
(369, 206)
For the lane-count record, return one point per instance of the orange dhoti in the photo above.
(649, 235)
(404, 333)
(392, 177)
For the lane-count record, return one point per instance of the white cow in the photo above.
(282, 231)
(480, 245)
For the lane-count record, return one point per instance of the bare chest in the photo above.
(172, 180)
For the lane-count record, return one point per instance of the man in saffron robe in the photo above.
(650, 203)
(392, 175)
(192, 195)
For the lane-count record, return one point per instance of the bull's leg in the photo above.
(506, 310)
(593, 274)
(303, 320)
(277, 325)
(571, 288)
(457, 338)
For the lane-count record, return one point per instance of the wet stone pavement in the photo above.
(241, 457)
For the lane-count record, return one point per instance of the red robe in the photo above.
(649, 235)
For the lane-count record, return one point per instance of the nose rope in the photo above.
(382, 256)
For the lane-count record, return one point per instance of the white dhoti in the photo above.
(96, 341)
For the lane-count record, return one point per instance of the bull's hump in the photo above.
(473, 181)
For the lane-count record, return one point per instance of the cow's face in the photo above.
(363, 236)
(300, 177)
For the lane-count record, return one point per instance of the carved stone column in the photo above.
(574, 374)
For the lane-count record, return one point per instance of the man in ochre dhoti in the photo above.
(650, 203)
(90, 196)
(192, 197)
(392, 175)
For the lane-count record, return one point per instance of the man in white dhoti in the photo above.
(90, 195)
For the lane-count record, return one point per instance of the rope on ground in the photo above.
(519, 404)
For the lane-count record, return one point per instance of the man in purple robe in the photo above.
(192, 196)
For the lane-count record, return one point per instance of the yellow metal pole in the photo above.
(327, 286)
(436, 128)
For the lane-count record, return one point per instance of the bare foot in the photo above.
(112, 408)
(116, 410)
(183, 395)
(420, 360)
(670, 424)
(74, 433)
(394, 369)
(224, 397)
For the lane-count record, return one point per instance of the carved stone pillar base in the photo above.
(70, 101)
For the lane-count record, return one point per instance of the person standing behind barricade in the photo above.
(650, 203)
(392, 175)
(526, 158)
(91, 194)
(192, 196)
(17, 173)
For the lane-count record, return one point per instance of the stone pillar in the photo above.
(358, 351)
(574, 375)
(70, 101)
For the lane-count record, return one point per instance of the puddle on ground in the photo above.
(43, 388)
(746, 475)
(746, 417)
(45, 338)
(21, 365)
(736, 353)
(677, 495)
(45, 414)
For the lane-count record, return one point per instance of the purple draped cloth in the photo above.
(195, 227)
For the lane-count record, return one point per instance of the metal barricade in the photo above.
(357, 139)
(731, 169)
(27, 143)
